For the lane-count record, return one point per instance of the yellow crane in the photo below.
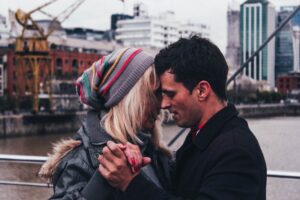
(34, 63)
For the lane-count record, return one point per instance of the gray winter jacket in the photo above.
(73, 166)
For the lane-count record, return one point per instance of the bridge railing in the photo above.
(24, 159)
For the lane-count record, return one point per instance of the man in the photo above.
(220, 158)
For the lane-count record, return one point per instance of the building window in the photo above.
(281, 86)
(14, 75)
(14, 88)
(0, 71)
(29, 74)
(75, 64)
(58, 63)
(26, 88)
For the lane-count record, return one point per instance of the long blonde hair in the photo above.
(125, 120)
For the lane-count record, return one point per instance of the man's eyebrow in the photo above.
(167, 91)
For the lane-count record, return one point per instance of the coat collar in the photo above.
(96, 135)
(213, 126)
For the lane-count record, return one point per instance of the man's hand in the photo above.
(114, 166)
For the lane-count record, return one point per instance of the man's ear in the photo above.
(202, 90)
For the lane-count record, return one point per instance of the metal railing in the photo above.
(41, 159)
(4, 158)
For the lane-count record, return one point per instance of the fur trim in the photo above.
(60, 149)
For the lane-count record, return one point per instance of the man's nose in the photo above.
(165, 103)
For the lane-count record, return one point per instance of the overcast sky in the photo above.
(96, 13)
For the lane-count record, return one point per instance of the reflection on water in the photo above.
(279, 138)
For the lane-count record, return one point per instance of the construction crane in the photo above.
(34, 64)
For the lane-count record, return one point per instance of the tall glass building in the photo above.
(284, 41)
(257, 22)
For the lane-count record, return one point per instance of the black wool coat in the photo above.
(225, 162)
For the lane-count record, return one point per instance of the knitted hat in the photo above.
(109, 79)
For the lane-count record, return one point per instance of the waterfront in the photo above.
(279, 138)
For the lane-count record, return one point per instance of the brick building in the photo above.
(67, 66)
(70, 57)
(289, 83)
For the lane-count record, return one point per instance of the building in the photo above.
(115, 18)
(233, 40)
(3, 66)
(71, 56)
(257, 22)
(85, 34)
(155, 32)
(296, 48)
(289, 83)
(4, 31)
(188, 29)
(286, 42)
(2, 74)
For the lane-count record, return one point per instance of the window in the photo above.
(58, 63)
(26, 88)
(75, 63)
(14, 75)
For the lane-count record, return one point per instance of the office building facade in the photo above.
(257, 22)
(233, 40)
(286, 42)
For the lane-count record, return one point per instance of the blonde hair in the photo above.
(125, 120)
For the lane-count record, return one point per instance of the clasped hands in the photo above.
(120, 163)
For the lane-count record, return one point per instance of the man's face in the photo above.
(179, 101)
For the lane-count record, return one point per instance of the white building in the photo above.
(186, 30)
(4, 32)
(3, 81)
(233, 38)
(157, 32)
(296, 49)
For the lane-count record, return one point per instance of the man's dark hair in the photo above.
(193, 60)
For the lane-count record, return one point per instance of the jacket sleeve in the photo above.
(233, 175)
(71, 177)
(76, 179)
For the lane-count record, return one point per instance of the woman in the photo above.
(121, 90)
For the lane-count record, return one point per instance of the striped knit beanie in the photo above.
(109, 79)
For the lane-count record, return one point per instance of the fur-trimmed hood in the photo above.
(91, 136)
(60, 149)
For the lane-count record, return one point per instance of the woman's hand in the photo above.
(114, 165)
(135, 157)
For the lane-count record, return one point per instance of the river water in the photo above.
(279, 138)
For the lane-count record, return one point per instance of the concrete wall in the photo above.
(251, 111)
(28, 124)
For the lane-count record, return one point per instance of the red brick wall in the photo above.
(68, 72)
